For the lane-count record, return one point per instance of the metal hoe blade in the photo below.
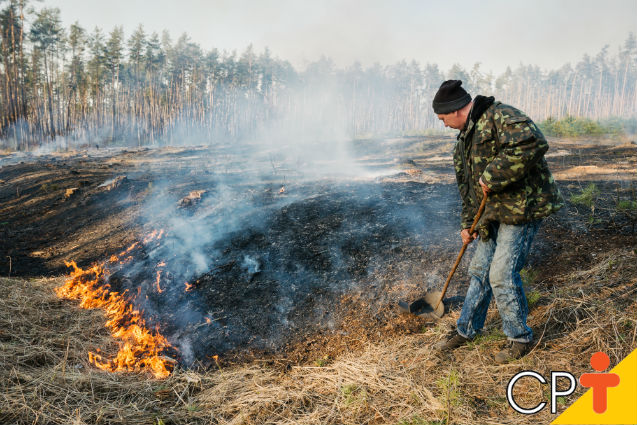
(431, 305)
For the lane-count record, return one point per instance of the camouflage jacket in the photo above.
(503, 146)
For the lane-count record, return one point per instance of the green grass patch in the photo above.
(626, 205)
(449, 388)
(486, 339)
(322, 362)
(532, 298)
(353, 395)
(529, 277)
(587, 196)
(577, 127)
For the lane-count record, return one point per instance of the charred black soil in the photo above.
(292, 267)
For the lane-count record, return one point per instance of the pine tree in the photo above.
(46, 34)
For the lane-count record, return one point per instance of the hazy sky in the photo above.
(498, 33)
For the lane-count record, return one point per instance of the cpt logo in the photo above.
(598, 381)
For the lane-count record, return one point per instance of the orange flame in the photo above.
(141, 348)
(127, 250)
(157, 281)
(189, 286)
(155, 234)
(149, 237)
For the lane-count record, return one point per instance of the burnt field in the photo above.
(274, 276)
(268, 253)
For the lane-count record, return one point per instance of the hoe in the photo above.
(430, 306)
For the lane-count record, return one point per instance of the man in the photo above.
(499, 154)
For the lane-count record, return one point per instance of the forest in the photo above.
(81, 87)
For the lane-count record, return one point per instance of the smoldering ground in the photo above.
(259, 272)
(282, 226)
(263, 235)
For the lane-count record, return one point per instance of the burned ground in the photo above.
(299, 283)
(294, 266)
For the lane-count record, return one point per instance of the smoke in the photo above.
(251, 265)
(239, 102)
(266, 263)
(258, 238)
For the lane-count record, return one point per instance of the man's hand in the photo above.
(485, 189)
(464, 234)
(466, 237)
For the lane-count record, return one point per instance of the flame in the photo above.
(208, 320)
(141, 348)
(189, 286)
(157, 281)
(127, 250)
(126, 260)
(149, 237)
(155, 234)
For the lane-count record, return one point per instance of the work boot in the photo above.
(451, 342)
(514, 351)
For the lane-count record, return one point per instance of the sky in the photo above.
(496, 33)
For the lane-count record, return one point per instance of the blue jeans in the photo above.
(495, 270)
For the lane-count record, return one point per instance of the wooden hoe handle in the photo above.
(464, 248)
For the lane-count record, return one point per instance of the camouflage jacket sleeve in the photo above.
(466, 216)
(521, 145)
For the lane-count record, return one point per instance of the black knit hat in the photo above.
(450, 97)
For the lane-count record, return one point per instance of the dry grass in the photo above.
(45, 377)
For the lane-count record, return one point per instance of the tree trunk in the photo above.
(50, 97)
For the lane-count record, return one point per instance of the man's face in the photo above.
(452, 119)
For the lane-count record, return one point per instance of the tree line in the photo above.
(102, 88)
